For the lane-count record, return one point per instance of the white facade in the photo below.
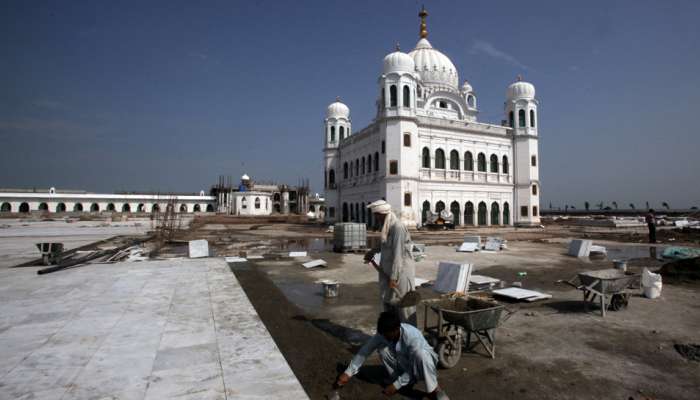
(425, 149)
(251, 203)
(56, 201)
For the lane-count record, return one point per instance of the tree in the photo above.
(632, 206)
(600, 205)
(614, 203)
(550, 205)
(648, 205)
(566, 208)
(573, 208)
(587, 205)
(665, 205)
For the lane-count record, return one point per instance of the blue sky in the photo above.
(167, 95)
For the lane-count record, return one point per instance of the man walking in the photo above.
(396, 268)
(651, 224)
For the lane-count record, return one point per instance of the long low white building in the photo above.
(57, 201)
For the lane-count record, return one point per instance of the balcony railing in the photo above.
(463, 176)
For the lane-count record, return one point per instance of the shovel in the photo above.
(410, 299)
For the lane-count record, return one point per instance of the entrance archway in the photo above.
(24, 208)
(482, 214)
(426, 210)
(94, 207)
(110, 207)
(6, 207)
(61, 207)
(454, 209)
(197, 208)
(439, 206)
(78, 207)
(210, 208)
(495, 217)
(506, 214)
(155, 208)
(469, 213)
(141, 207)
(183, 208)
(126, 208)
(345, 212)
(43, 207)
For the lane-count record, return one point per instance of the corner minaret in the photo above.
(521, 114)
(336, 128)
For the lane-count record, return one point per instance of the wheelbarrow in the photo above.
(608, 286)
(459, 318)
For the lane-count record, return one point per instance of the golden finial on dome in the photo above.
(398, 48)
(423, 28)
(519, 78)
(337, 98)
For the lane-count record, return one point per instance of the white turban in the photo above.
(380, 207)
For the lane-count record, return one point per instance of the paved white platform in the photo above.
(151, 330)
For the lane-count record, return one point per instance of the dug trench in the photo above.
(318, 350)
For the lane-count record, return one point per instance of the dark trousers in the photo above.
(652, 233)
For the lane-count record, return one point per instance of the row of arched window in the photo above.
(341, 131)
(521, 119)
(361, 166)
(439, 162)
(95, 207)
(482, 215)
(393, 96)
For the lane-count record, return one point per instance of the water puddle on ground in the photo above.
(633, 252)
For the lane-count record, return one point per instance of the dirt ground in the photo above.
(547, 349)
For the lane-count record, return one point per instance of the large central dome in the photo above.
(433, 66)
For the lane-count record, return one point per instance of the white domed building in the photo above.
(425, 151)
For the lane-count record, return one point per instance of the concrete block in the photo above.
(580, 248)
(493, 244)
(452, 277)
(473, 239)
(199, 248)
(468, 247)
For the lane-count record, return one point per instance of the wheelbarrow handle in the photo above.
(570, 284)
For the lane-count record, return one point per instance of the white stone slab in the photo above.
(255, 257)
(580, 248)
(199, 248)
(468, 247)
(297, 254)
(481, 279)
(315, 263)
(473, 239)
(235, 259)
(452, 277)
(598, 249)
(522, 294)
(420, 281)
(493, 244)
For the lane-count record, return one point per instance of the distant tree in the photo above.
(573, 208)
(614, 203)
(587, 205)
(665, 205)
(647, 205)
(566, 208)
(600, 205)
(632, 206)
(694, 207)
(607, 208)
(550, 205)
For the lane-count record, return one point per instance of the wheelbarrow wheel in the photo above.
(449, 354)
(618, 302)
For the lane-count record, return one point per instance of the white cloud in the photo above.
(483, 47)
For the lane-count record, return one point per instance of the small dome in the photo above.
(466, 87)
(245, 177)
(338, 110)
(520, 90)
(398, 61)
(433, 66)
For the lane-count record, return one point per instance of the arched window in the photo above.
(454, 160)
(60, 207)
(94, 207)
(506, 214)
(533, 160)
(363, 212)
(426, 210)
(342, 133)
(471, 101)
(469, 213)
(78, 207)
(481, 162)
(257, 202)
(24, 208)
(376, 161)
(392, 96)
(439, 159)
(406, 96)
(482, 213)
(141, 208)
(363, 165)
(345, 212)
(126, 207)
(426, 157)
(439, 206)
(210, 208)
(369, 163)
(155, 208)
(494, 163)
(352, 212)
(468, 161)
(456, 213)
(521, 118)
(534, 211)
(534, 190)
(331, 178)
(197, 208)
(332, 133)
(110, 207)
(495, 214)
(357, 167)
(244, 203)
(43, 207)
(505, 165)
(510, 119)
(183, 208)
(532, 118)
(345, 172)
(6, 207)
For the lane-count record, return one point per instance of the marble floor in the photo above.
(169, 329)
